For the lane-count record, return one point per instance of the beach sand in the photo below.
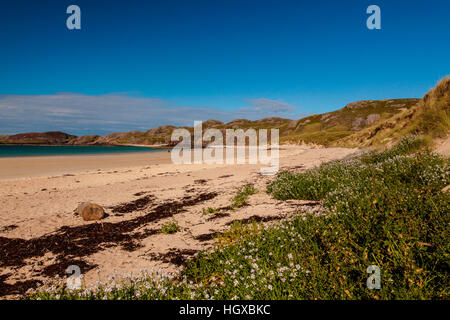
(13, 167)
(40, 235)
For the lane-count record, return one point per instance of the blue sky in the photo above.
(137, 64)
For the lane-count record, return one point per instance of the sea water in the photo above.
(27, 150)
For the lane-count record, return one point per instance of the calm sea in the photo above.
(21, 151)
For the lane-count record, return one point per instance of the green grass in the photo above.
(315, 184)
(386, 209)
(433, 116)
(209, 210)
(382, 208)
(241, 197)
(170, 227)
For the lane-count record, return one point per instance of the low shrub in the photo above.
(170, 227)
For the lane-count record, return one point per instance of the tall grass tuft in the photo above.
(241, 197)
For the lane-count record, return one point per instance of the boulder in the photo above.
(90, 211)
(372, 118)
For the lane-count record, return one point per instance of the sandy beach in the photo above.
(19, 167)
(40, 235)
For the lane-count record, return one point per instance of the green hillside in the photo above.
(429, 117)
(330, 127)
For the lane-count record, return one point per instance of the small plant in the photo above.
(209, 210)
(170, 227)
(242, 195)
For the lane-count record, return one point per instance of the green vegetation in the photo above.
(329, 128)
(27, 141)
(209, 210)
(385, 209)
(238, 200)
(315, 184)
(170, 227)
(381, 208)
(242, 195)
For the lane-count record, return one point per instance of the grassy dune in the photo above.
(327, 128)
(429, 117)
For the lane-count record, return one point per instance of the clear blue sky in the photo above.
(210, 58)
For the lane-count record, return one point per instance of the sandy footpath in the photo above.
(40, 235)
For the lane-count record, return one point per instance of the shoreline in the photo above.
(39, 165)
(30, 166)
(156, 146)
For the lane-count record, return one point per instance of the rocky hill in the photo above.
(429, 117)
(320, 129)
(362, 123)
(328, 128)
(52, 137)
(162, 135)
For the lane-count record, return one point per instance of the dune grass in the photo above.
(170, 227)
(209, 210)
(433, 116)
(242, 195)
(429, 117)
